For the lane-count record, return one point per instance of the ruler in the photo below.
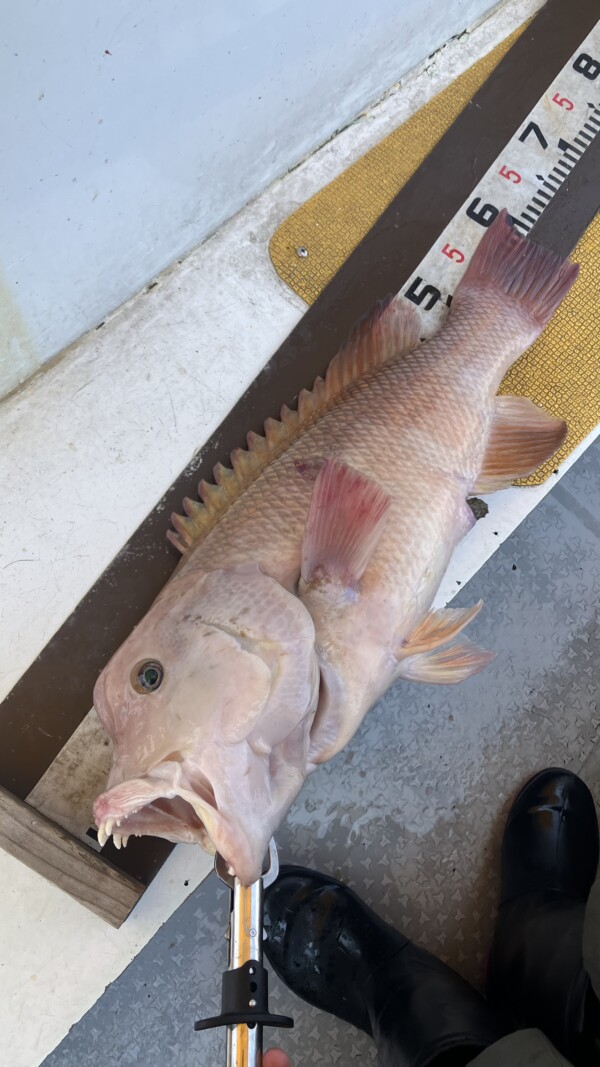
(523, 179)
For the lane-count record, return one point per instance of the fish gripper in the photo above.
(245, 999)
(245, 985)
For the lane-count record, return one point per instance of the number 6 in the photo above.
(484, 215)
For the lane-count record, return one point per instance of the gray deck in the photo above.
(410, 814)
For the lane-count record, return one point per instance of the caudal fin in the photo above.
(533, 276)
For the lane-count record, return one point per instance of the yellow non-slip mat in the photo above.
(561, 371)
(334, 221)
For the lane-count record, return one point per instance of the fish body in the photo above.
(341, 523)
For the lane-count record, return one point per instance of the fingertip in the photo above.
(276, 1057)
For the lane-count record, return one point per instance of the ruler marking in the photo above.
(565, 124)
(575, 148)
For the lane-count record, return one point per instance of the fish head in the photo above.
(209, 704)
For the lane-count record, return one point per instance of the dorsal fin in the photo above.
(390, 330)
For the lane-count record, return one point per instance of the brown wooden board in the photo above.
(51, 851)
(49, 702)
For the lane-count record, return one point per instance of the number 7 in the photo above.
(532, 127)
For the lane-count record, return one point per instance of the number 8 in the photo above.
(590, 68)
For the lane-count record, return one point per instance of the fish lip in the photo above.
(116, 809)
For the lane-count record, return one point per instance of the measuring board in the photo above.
(524, 178)
(52, 751)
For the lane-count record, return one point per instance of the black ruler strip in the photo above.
(573, 207)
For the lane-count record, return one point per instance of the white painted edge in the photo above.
(57, 957)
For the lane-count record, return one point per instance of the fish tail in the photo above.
(525, 272)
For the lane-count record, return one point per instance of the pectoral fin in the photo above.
(523, 436)
(438, 628)
(445, 666)
(345, 521)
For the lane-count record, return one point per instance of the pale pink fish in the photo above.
(309, 571)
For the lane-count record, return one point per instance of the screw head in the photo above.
(302, 252)
(252, 1003)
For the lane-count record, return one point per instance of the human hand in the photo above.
(276, 1057)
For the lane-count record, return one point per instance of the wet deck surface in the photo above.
(411, 813)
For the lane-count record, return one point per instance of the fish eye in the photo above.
(147, 676)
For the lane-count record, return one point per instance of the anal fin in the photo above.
(438, 628)
(345, 521)
(523, 435)
(445, 666)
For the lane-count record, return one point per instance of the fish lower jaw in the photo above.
(167, 816)
(149, 806)
(144, 807)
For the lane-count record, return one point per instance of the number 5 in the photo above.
(563, 102)
(428, 291)
(511, 175)
(453, 253)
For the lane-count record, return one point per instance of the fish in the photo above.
(309, 566)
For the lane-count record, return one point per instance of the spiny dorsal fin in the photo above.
(390, 330)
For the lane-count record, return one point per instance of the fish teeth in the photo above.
(105, 830)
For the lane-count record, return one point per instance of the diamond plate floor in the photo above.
(410, 814)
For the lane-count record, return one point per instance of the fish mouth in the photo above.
(164, 805)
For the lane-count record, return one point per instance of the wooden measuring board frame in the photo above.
(51, 701)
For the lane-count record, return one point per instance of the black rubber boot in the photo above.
(549, 860)
(334, 952)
